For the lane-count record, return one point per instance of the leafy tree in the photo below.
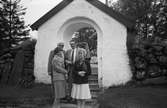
(89, 35)
(148, 55)
(150, 15)
(130, 8)
(12, 25)
(154, 23)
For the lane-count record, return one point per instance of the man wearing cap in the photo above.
(60, 47)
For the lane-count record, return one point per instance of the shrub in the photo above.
(148, 59)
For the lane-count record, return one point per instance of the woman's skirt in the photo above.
(60, 89)
(80, 91)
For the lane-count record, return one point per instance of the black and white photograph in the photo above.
(83, 53)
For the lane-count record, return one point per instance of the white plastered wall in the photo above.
(112, 52)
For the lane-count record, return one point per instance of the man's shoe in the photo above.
(74, 101)
(69, 99)
(64, 100)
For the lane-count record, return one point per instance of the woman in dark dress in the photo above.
(80, 89)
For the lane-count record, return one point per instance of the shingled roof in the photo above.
(129, 23)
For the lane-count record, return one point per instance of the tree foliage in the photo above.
(153, 24)
(131, 8)
(148, 55)
(12, 25)
(89, 35)
(150, 15)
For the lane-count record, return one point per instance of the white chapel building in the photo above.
(67, 17)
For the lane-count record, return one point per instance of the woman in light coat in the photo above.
(56, 69)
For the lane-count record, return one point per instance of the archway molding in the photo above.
(76, 23)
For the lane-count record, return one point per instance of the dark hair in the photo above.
(56, 50)
(72, 41)
(82, 45)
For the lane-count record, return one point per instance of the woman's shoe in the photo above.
(74, 101)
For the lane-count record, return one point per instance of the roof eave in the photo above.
(48, 15)
(129, 23)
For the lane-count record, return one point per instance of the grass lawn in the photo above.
(17, 97)
(145, 96)
(40, 96)
(37, 90)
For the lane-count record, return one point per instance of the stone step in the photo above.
(93, 81)
(94, 68)
(94, 95)
(90, 81)
(94, 73)
(94, 88)
(93, 77)
(93, 85)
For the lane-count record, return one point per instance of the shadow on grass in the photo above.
(135, 95)
(38, 95)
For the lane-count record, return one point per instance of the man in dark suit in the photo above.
(69, 59)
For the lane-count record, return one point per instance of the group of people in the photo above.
(69, 71)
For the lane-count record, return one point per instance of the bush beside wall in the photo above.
(148, 59)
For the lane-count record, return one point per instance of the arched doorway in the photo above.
(76, 24)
